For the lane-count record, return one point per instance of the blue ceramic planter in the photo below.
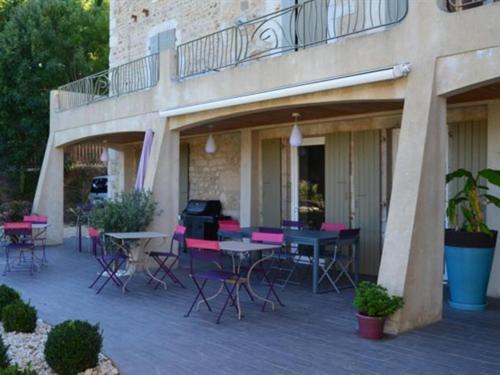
(468, 275)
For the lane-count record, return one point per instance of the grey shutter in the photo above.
(366, 180)
(154, 44)
(183, 175)
(271, 182)
(466, 149)
(337, 180)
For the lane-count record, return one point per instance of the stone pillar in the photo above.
(116, 170)
(492, 213)
(49, 196)
(162, 176)
(412, 259)
(249, 178)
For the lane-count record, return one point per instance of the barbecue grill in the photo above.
(200, 217)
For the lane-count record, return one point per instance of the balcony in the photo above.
(304, 25)
(124, 79)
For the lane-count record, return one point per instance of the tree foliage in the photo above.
(43, 44)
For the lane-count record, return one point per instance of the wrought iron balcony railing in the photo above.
(136, 75)
(306, 24)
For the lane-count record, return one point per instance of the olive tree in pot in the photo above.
(469, 243)
(374, 305)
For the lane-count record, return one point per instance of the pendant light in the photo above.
(104, 154)
(210, 146)
(296, 135)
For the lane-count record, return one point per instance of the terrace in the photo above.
(145, 331)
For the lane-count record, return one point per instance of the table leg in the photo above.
(79, 236)
(249, 276)
(315, 267)
(146, 265)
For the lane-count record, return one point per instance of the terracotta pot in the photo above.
(370, 327)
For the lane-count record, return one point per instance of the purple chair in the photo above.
(19, 239)
(163, 259)
(205, 251)
(343, 256)
(40, 237)
(110, 264)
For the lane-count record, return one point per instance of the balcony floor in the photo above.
(145, 331)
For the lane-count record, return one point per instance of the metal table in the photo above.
(314, 238)
(139, 258)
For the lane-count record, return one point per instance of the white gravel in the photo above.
(26, 349)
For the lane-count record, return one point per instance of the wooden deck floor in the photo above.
(145, 331)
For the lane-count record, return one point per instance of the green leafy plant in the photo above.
(15, 370)
(472, 199)
(73, 346)
(7, 296)
(14, 211)
(129, 212)
(373, 300)
(4, 357)
(19, 317)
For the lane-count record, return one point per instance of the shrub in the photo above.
(14, 211)
(73, 346)
(7, 296)
(373, 300)
(19, 317)
(129, 212)
(4, 357)
(14, 370)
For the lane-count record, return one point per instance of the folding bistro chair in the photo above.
(205, 251)
(307, 251)
(269, 238)
(232, 226)
(110, 264)
(19, 238)
(167, 260)
(287, 254)
(41, 236)
(344, 256)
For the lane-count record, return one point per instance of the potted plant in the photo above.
(469, 243)
(374, 305)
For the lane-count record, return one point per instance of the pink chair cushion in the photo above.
(180, 229)
(193, 243)
(229, 221)
(93, 232)
(8, 226)
(36, 219)
(333, 227)
(269, 238)
(230, 227)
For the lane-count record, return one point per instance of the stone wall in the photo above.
(133, 23)
(216, 176)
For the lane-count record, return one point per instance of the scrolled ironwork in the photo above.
(303, 25)
(136, 75)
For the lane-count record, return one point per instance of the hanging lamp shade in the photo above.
(210, 146)
(296, 135)
(104, 155)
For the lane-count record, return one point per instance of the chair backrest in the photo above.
(95, 236)
(268, 238)
(17, 229)
(270, 230)
(229, 221)
(349, 235)
(229, 226)
(36, 219)
(292, 224)
(179, 233)
(203, 250)
(333, 227)
(93, 233)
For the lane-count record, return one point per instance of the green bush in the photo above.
(129, 212)
(72, 347)
(7, 296)
(373, 300)
(4, 357)
(14, 211)
(14, 370)
(19, 317)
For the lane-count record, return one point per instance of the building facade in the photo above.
(391, 95)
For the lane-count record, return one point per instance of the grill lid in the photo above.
(198, 207)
